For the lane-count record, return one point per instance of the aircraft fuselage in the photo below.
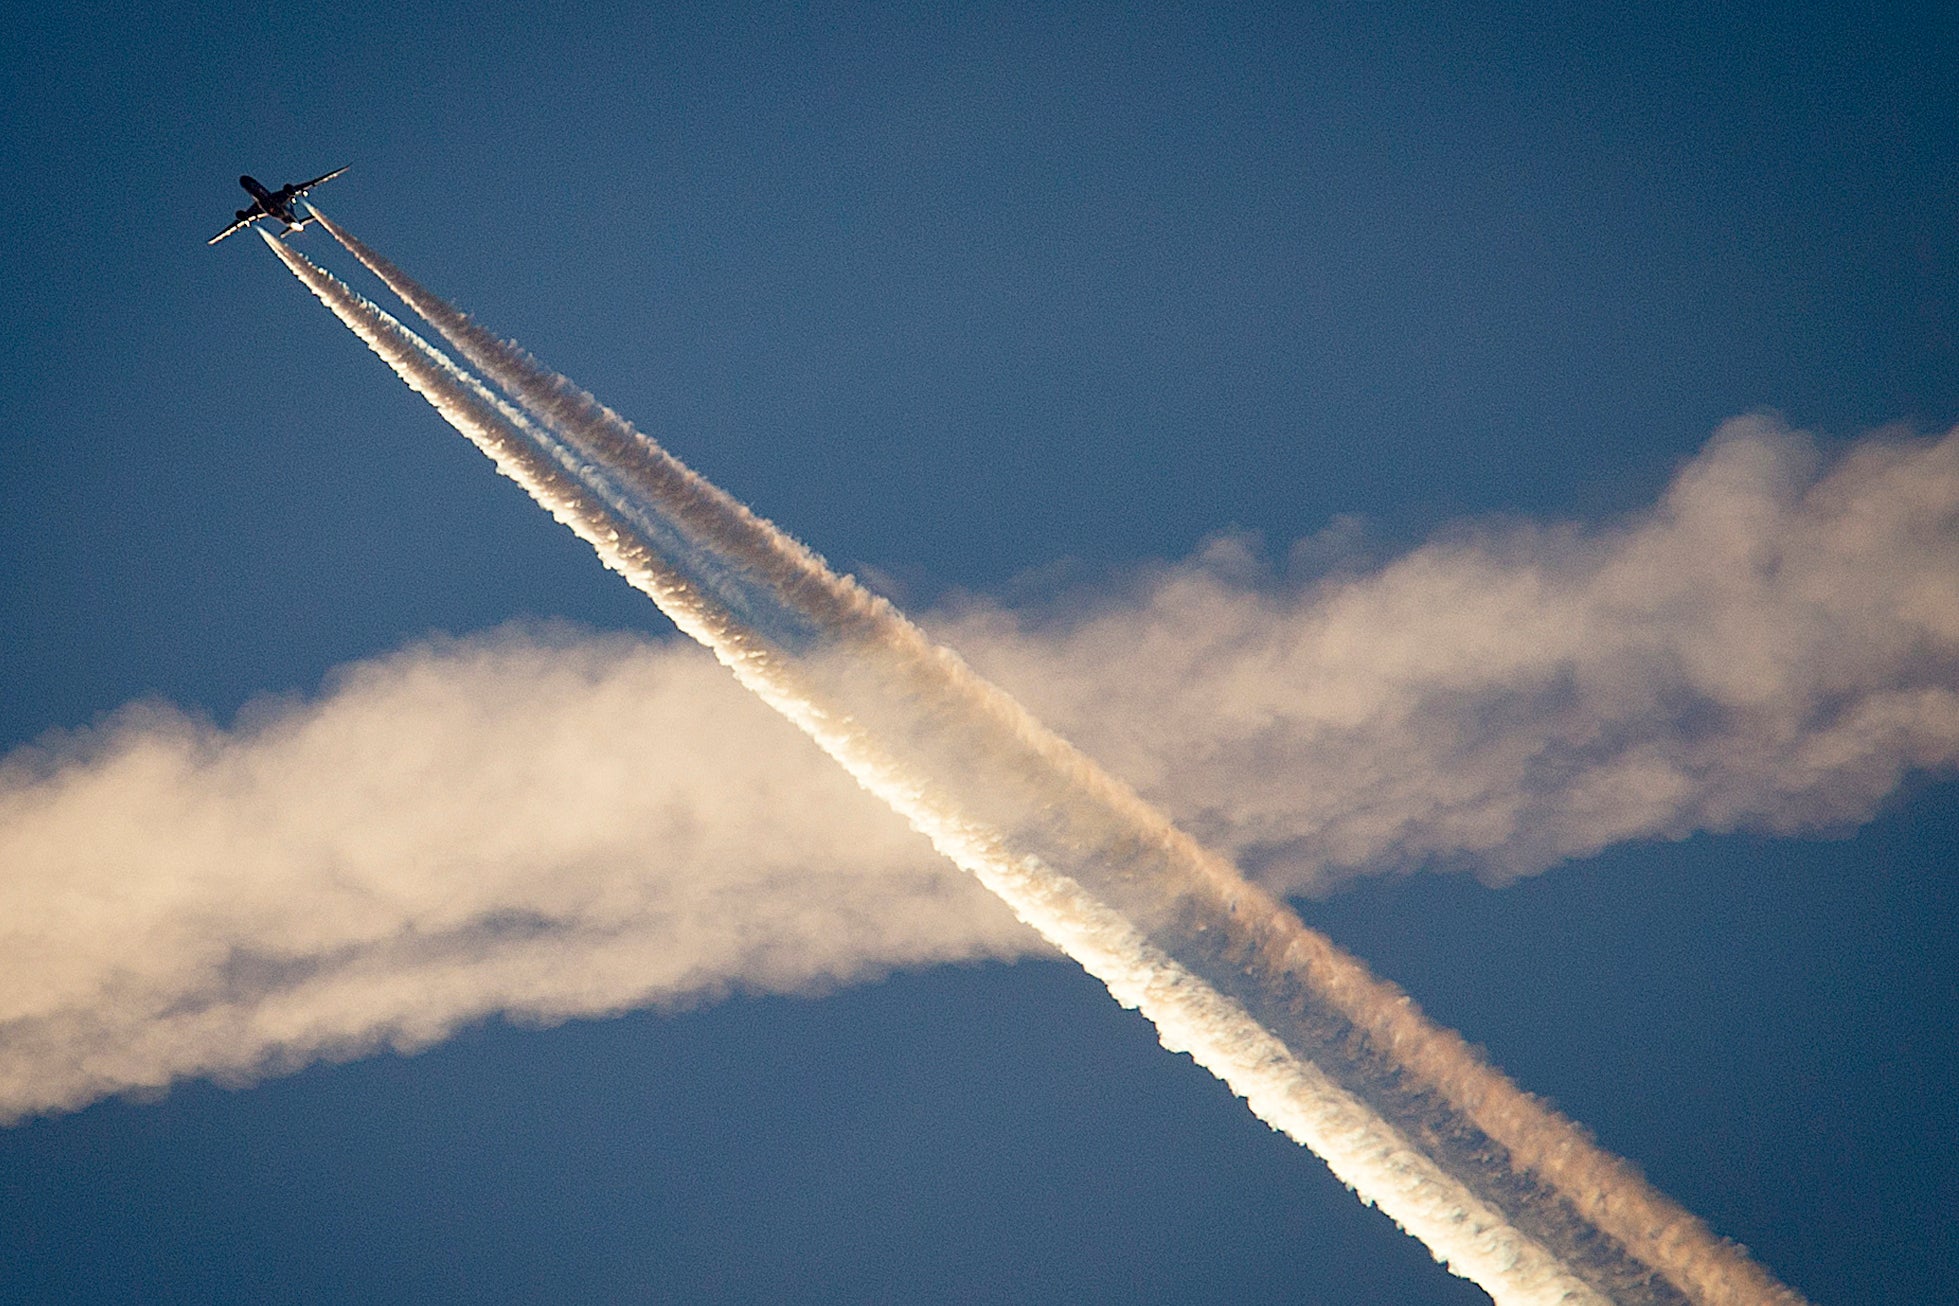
(272, 203)
(268, 203)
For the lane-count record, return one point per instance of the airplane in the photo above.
(273, 204)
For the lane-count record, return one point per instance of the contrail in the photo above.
(1503, 1190)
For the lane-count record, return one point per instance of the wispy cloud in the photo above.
(1773, 646)
(530, 823)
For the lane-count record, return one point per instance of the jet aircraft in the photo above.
(273, 204)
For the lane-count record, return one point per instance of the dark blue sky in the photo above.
(955, 297)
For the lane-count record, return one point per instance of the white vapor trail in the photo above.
(1501, 1189)
(1474, 1239)
(549, 825)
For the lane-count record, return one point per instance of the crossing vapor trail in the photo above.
(1500, 1188)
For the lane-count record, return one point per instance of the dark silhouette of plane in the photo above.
(273, 204)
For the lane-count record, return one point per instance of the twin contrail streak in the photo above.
(1500, 1188)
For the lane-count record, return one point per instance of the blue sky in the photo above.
(957, 299)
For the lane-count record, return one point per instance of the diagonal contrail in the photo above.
(1502, 1189)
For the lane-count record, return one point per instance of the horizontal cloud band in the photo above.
(546, 824)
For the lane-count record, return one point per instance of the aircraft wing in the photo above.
(305, 186)
(239, 225)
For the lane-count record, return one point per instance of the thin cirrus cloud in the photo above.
(546, 823)
(528, 822)
(1773, 646)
